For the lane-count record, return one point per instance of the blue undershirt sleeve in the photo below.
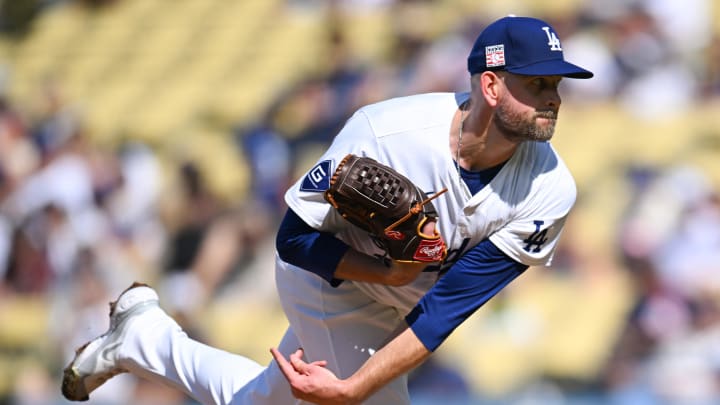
(475, 278)
(301, 245)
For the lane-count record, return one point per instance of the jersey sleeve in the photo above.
(317, 252)
(305, 197)
(474, 279)
(533, 233)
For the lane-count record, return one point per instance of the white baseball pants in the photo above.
(341, 325)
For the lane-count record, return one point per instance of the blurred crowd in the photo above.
(79, 221)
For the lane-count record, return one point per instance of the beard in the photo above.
(517, 127)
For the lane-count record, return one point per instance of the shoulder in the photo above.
(550, 181)
(545, 163)
(410, 113)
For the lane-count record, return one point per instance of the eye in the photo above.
(539, 84)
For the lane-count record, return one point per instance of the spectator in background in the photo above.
(271, 161)
(670, 241)
(711, 69)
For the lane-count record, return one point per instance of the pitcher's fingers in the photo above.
(297, 362)
(285, 367)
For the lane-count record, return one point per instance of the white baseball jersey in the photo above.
(522, 210)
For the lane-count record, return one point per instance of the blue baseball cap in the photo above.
(524, 46)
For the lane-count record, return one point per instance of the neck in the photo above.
(481, 146)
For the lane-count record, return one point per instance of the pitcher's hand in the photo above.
(312, 382)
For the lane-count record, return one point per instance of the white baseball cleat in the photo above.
(96, 361)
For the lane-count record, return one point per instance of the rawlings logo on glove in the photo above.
(385, 203)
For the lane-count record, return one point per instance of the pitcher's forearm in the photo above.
(398, 357)
(361, 267)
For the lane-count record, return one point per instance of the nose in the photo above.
(553, 99)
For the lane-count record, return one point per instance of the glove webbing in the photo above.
(377, 184)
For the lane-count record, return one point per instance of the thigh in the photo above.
(340, 325)
(270, 387)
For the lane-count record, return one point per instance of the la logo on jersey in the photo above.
(553, 40)
(537, 238)
(318, 178)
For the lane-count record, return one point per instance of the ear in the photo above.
(491, 86)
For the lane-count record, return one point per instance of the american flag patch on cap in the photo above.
(495, 55)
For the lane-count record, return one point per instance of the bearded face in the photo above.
(518, 126)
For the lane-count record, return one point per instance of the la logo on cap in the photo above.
(553, 40)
